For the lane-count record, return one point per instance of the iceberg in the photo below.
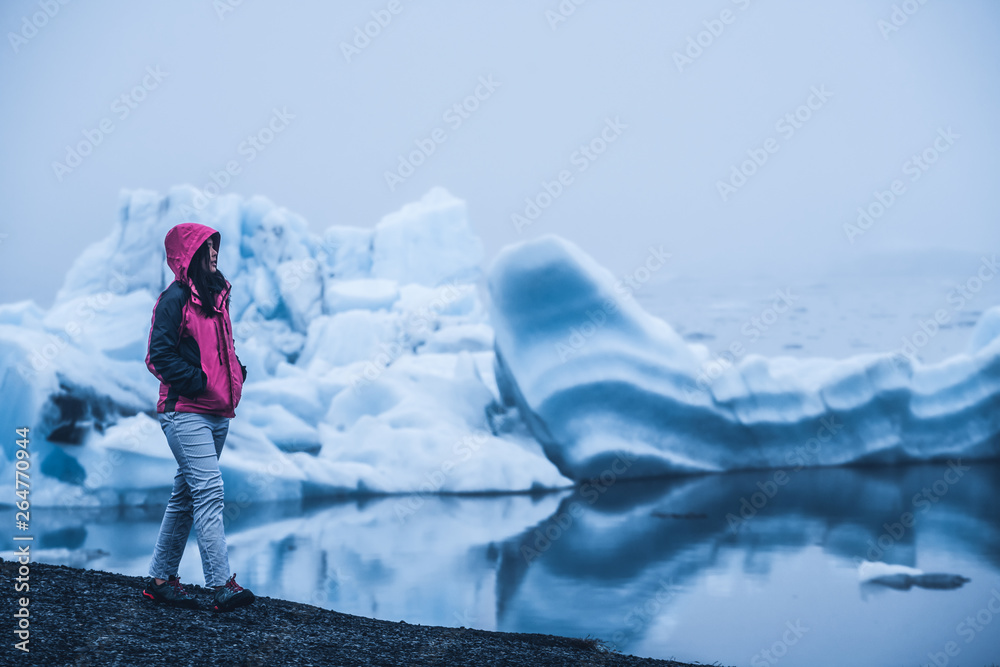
(610, 391)
(387, 361)
(369, 359)
(903, 578)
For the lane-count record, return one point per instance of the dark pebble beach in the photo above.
(91, 617)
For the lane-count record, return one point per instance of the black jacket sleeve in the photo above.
(243, 368)
(163, 357)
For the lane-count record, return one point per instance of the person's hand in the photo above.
(204, 386)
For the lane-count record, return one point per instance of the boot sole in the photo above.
(245, 602)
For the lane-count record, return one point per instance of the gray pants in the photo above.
(196, 441)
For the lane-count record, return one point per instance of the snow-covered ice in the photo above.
(377, 364)
(610, 390)
(369, 360)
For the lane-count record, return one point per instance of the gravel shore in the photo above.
(91, 617)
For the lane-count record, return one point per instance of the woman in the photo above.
(191, 352)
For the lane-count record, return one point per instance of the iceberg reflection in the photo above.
(676, 567)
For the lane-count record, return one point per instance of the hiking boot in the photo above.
(170, 592)
(231, 596)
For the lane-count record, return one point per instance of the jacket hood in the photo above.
(182, 242)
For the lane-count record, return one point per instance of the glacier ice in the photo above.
(376, 365)
(426, 242)
(607, 389)
(369, 360)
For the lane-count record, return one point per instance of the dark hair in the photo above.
(208, 284)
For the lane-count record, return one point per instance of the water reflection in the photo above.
(620, 566)
(716, 567)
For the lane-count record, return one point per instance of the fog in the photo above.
(742, 136)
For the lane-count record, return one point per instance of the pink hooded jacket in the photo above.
(192, 355)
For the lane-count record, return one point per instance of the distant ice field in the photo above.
(879, 304)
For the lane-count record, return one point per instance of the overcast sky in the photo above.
(867, 86)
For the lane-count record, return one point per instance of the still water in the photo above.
(655, 568)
